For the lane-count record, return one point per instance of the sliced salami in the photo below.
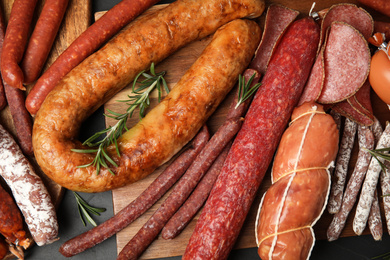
(278, 18)
(347, 62)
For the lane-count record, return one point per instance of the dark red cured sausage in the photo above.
(382, 6)
(89, 41)
(143, 202)
(181, 191)
(221, 220)
(15, 42)
(186, 213)
(3, 100)
(3, 248)
(42, 38)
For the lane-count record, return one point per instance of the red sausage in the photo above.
(42, 38)
(15, 42)
(223, 216)
(89, 41)
(16, 101)
(382, 6)
(142, 203)
(181, 191)
(3, 100)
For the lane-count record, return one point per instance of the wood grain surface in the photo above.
(176, 65)
(76, 20)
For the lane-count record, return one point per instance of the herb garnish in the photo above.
(84, 209)
(380, 153)
(139, 99)
(245, 90)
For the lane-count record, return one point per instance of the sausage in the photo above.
(16, 101)
(196, 200)
(15, 42)
(11, 221)
(42, 38)
(167, 127)
(277, 20)
(231, 197)
(382, 6)
(366, 140)
(3, 248)
(375, 220)
(385, 187)
(3, 100)
(297, 197)
(341, 169)
(38, 212)
(382, 27)
(83, 46)
(143, 202)
(182, 190)
(369, 186)
(184, 215)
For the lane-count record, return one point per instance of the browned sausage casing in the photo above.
(167, 127)
(301, 182)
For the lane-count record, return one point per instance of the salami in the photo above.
(278, 18)
(28, 190)
(341, 169)
(385, 187)
(375, 220)
(366, 141)
(142, 203)
(369, 186)
(382, 27)
(382, 6)
(232, 195)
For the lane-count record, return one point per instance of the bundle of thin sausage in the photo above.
(300, 185)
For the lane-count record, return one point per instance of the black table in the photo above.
(363, 247)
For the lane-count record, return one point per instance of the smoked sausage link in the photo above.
(168, 126)
(252, 151)
(300, 185)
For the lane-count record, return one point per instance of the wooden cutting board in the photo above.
(176, 65)
(76, 20)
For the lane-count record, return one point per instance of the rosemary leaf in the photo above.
(245, 90)
(84, 209)
(140, 98)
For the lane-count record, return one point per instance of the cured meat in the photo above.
(341, 169)
(42, 38)
(382, 6)
(300, 185)
(174, 121)
(15, 42)
(278, 18)
(375, 220)
(28, 190)
(142, 203)
(347, 62)
(369, 186)
(382, 27)
(366, 140)
(232, 195)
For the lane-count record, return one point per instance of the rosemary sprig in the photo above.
(380, 153)
(245, 90)
(84, 210)
(139, 99)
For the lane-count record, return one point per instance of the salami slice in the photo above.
(278, 18)
(347, 62)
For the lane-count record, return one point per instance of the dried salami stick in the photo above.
(369, 186)
(366, 140)
(191, 206)
(341, 169)
(375, 220)
(181, 191)
(385, 187)
(142, 203)
(38, 210)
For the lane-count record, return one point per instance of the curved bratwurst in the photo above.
(170, 125)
